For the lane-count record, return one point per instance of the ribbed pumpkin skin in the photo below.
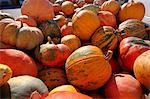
(84, 24)
(87, 69)
(141, 68)
(105, 38)
(132, 27)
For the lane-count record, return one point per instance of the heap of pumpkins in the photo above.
(75, 49)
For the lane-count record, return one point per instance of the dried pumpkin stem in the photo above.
(50, 40)
(109, 54)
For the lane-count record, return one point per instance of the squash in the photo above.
(131, 10)
(105, 38)
(18, 61)
(40, 10)
(87, 68)
(53, 77)
(5, 74)
(141, 68)
(84, 24)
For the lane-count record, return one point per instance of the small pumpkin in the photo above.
(72, 41)
(53, 77)
(105, 38)
(66, 29)
(87, 68)
(130, 48)
(84, 24)
(141, 68)
(112, 6)
(123, 86)
(131, 10)
(5, 74)
(18, 61)
(40, 10)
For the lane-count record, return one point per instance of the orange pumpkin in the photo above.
(67, 7)
(72, 41)
(66, 29)
(53, 77)
(27, 19)
(112, 6)
(141, 68)
(87, 68)
(40, 10)
(18, 61)
(84, 24)
(131, 10)
(5, 74)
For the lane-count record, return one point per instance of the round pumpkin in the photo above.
(141, 68)
(112, 6)
(53, 77)
(72, 41)
(40, 10)
(123, 86)
(5, 74)
(27, 19)
(18, 61)
(84, 24)
(105, 38)
(87, 68)
(107, 18)
(131, 10)
(67, 7)
(19, 34)
(66, 29)
(5, 15)
(63, 88)
(130, 48)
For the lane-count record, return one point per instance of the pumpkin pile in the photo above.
(75, 49)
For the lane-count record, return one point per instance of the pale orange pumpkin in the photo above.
(131, 10)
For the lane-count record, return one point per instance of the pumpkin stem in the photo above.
(50, 40)
(108, 55)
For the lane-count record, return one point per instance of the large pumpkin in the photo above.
(142, 68)
(19, 34)
(18, 61)
(5, 74)
(105, 38)
(84, 24)
(131, 10)
(132, 27)
(40, 10)
(123, 86)
(87, 68)
(53, 77)
(130, 48)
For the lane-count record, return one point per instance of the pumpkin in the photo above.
(131, 10)
(52, 55)
(72, 41)
(112, 6)
(141, 68)
(67, 7)
(52, 29)
(18, 61)
(105, 38)
(107, 18)
(87, 68)
(27, 19)
(5, 15)
(132, 27)
(84, 24)
(123, 86)
(66, 29)
(40, 10)
(21, 87)
(130, 48)
(67, 95)
(53, 77)
(63, 88)
(5, 74)
(60, 19)
(56, 7)
(19, 34)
